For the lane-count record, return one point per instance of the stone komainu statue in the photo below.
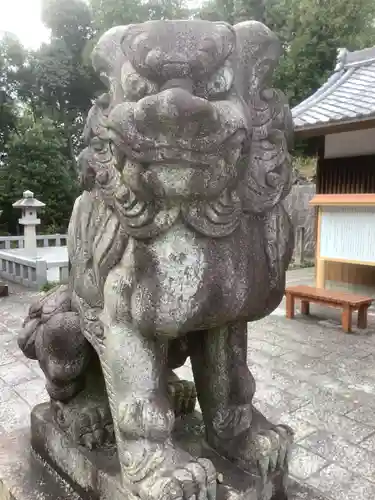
(178, 240)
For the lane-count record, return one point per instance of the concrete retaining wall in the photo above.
(302, 214)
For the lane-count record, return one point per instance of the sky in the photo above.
(23, 18)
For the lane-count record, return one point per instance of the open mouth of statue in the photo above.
(203, 157)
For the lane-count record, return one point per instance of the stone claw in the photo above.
(166, 488)
(87, 426)
(272, 448)
(210, 477)
(288, 434)
(109, 432)
(88, 441)
(183, 396)
(194, 481)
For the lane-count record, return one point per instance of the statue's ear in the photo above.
(267, 179)
(107, 52)
(256, 56)
(131, 32)
(228, 37)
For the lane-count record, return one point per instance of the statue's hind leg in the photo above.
(234, 427)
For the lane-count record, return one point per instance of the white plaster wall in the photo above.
(348, 233)
(53, 274)
(346, 144)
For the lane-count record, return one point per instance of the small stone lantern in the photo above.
(29, 219)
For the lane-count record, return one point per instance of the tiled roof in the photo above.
(348, 95)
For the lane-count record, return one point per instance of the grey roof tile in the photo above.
(349, 93)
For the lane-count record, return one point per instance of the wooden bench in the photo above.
(347, 301)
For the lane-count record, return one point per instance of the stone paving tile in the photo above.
(304, 463)
(345, 363)
(358, 382)
(16, 373)
(14, 414)
(259, 357)
(6, 393)
(269, 348)
(369, 376)
(33, 392)
(11, 322)
(369, 443)
(363, 414)
(308, 350)
(6, 357)
(33, 366)
(332, 422)
(279, 398)
(296, 369)
(271, 412)
(301, 427)
(346, 391)
(340, 484)
(343, 453)
(306, 361)
(329, 400)
(323, 393)
(301, 491)
(370, 358)
(272, 377)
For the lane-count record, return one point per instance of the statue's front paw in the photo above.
(266, 454)
(248, 439)
(196, 480)
(270, 450)
(183, 396)
(88, 424)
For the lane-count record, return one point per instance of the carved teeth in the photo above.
(282, 455)
(263, 466)
(273, 460)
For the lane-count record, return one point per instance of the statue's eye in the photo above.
(220, 82)
(134, 85)
(97, 144)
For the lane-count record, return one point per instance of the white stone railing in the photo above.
(43, 240)
(32, 273)
(19, 266)
(28, 272)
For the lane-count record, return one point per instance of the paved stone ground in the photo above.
(309, 375)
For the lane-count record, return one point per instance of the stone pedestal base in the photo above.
(24, 475)
(95, 475)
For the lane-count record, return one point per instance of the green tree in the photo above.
(317, 30)
(66, 84)
(311, 32)
(12, 58)
(233, 11)
(109, 13)
(36, 160)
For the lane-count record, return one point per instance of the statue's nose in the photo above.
(176, 111)
(176, 65)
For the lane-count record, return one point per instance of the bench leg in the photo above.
(346, 319)
(289, 306)
(305, 307)
(362, 317)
